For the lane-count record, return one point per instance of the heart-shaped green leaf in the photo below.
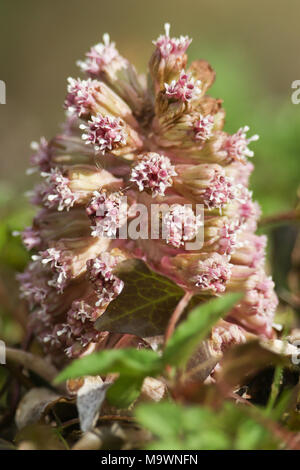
(145, 304)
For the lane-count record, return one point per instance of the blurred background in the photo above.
(253, 45)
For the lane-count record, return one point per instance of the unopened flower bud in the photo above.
(106, 284)
(203, 273)
(206, 184)
(107, 212)
(236, 145)
(103, 61)
(226, 334)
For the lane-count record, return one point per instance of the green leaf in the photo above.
(196, 327)
(197, 427)
(246, 427)
(162, 419)
(124, 391)
(250, 435)
(179, 427)
(145, 304)
(128, 362)
(275, 389)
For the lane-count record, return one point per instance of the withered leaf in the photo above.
(32, 406)
(204, 72)
(89, 400)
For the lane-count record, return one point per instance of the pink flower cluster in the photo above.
(153, 172)
(184, 89)
(181, 224)
(100, 55)
(203, 127)
(104, 133)
(171, 46)
(105, 212)
(106, 285)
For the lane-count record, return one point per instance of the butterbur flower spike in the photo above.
(129, 143)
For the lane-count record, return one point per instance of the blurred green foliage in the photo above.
(15, 214)
(196, 427)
